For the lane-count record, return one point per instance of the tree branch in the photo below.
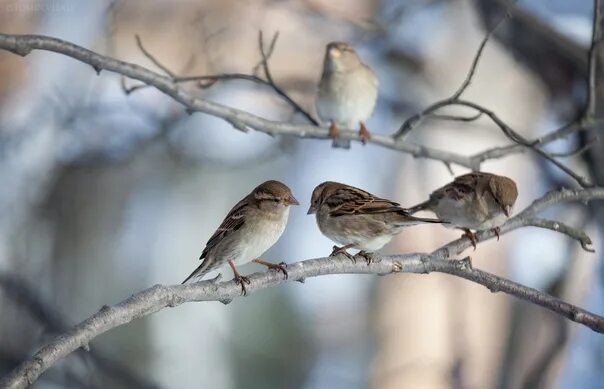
(24, 44)
(455, 99)
(596, 39)
(516, 137)
(23, 295)
(159, 297)
(412, 122)
(207, 81)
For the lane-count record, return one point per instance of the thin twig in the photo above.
(516, 137)
(578, 151)
(413, 121)
(596, 38)
(265, 57)
(559, 133)
(150, 56)
(455, 118)
(212, 79)
(466, 82)
(267, 73)
(578, 235)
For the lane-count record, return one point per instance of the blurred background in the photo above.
(105, 194)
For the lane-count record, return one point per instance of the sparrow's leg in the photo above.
(470, 235)
(364, 133)
(273, 266)
(239, 279)
(497, 231)
(334, 131)
(368, 256)
(342, 250)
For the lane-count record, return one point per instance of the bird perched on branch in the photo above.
(474, 201)
(357, 219)
(250, 228)
(348, 92)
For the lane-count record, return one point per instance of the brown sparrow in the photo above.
(475, 201)
(357, 219)
(250, 228)
(348, 92)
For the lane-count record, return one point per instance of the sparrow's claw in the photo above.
(472, 236)
(342, 250)
(239, 279)
(368, 256)
(497, 231)
(274, 266)
(364, 134)
(242, 280)
(334, 131)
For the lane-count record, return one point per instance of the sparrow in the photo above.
(357, 219)
(348, 92)
(253, 225)
(474, 201)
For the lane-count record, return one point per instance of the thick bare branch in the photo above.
(158, 297)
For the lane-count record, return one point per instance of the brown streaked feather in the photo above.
(463, 186)
(232, 222)
(353, 201)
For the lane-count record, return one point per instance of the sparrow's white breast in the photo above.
(348, 97)
(261, 235)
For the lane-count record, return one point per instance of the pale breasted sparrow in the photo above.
(474, 201)
(348, 92)
(250, 228)
(357, 219)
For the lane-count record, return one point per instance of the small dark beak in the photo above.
(507, 210)
(311, 210)
(292, 201)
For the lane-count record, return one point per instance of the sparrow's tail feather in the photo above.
(419, 207)
(199, 272)
(427, 220)
(408, 220)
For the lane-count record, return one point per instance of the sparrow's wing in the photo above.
(354, 201)
(232, 222)
(462, 187)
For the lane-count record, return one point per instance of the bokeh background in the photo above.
(105, 194)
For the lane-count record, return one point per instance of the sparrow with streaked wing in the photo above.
(348, 91)
(250, 228)
(357, 219)
(474, 201)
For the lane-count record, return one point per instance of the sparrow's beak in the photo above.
(292, 201)
(311, 210)
(507, 210)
